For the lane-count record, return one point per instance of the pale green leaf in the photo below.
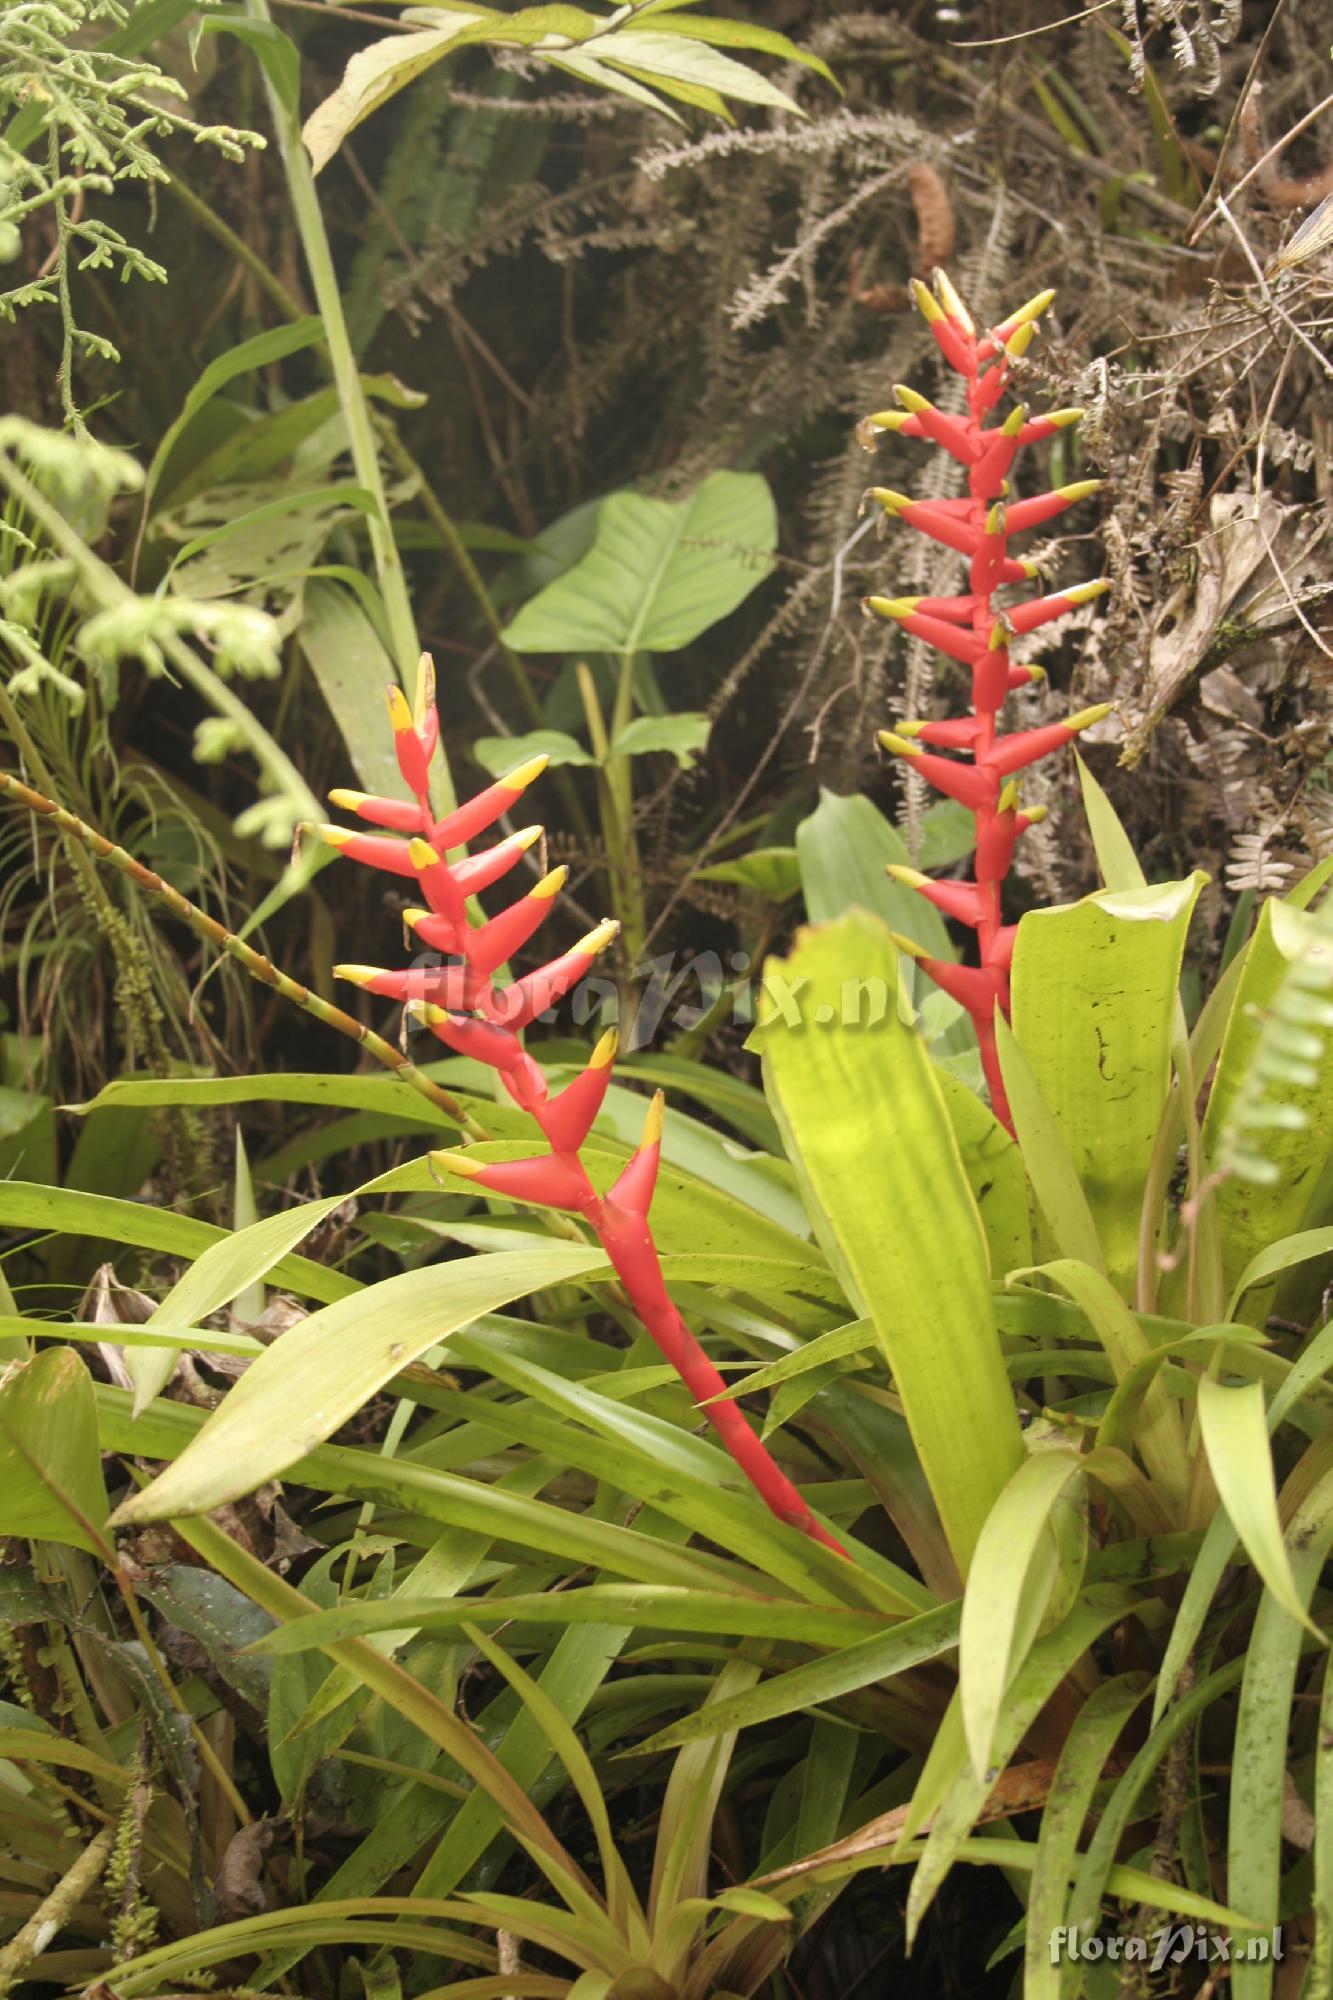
(659, 573)
(1008, 1588)
(678, 735)
(1094, 1011)
(853, 1086)
(51, 1486)
(319, 1373)
(498, 754)
(1235, 1437)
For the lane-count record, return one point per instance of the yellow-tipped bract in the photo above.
(911, 878)
(951, 302)
(523, 775)
(899, 745)
(604, 1054)
(908, 946)
(926, 303)
(599, 937)
(1087, 716)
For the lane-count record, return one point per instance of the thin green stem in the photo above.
(272, 288)
(403, 642)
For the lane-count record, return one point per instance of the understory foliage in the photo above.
(725, 1392)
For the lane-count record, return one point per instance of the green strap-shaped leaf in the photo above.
(1159, 1435)
(869, 1133)
(1293, 1138)
(1094, 1011)
(1263, 1725)
(50, 1466)
(1086, 1748)
(306, 1386)
(1049, 1661)
(1008, 1589)
(1235, 1436)
(854, 1088)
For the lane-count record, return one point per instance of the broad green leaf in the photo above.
(167, 1430)
(1235, 1436)
(843, 847)
(773, 872)
(258, 352)
(1115, 854)
(327, 1089)
(50, 1466)
(1094, 1011)
(1253, 1214)
(352, 668)
(871, 1138)
(321, 1371)
(1263, 1726)
(994, 1168)
(1008, 1588)
(677, 735)
(667, 58)
(659, 573)
(1046, 1666)
(1159, 1434)
(225, 1269)
(1219, 1542)
(1045, 1157)
(1091, 1739)
(1277, 1257)
(735, 35)
(657, 1607)
(374, 75)
(498, 754)
(70, 1211)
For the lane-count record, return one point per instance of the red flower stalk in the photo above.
(462, 1007)
(973, 630)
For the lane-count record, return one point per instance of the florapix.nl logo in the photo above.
(1173, 1944)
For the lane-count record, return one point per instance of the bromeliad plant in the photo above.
(462, 1007)
(974, 630)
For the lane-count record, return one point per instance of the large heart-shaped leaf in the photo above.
(659, 572)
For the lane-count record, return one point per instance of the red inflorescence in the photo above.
(461, 1006)
(973, 631)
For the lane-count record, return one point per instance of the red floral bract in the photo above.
(970, 629)
(462, 1007)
